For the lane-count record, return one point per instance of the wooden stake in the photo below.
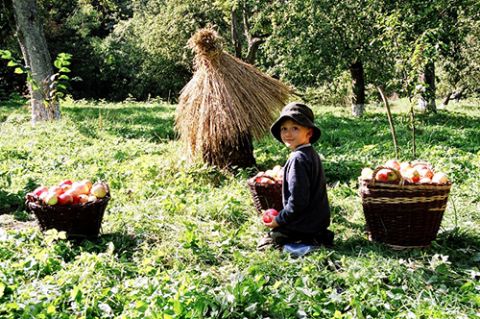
(390, 120)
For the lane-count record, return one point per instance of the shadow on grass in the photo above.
(128, 122)
(9, 106)
(341, 135)
(123, 244)
(461, 247)
(10, 203)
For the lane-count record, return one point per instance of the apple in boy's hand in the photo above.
(267, 219)
(271, 211)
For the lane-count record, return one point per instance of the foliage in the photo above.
(179, 237)
(125, 48)
(54, 87)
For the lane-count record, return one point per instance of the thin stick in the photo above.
(390, 120)
(412, 119)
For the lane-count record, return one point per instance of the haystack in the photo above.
(226, 104)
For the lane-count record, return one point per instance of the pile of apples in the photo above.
(269, 215)
(275, 174)
(68, 192)
(416, 173)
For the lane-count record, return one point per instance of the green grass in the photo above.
(179, 237)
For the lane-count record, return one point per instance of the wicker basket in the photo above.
(403, 214)
(266, 195)
(77, 220)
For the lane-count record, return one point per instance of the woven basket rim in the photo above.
(406, 185)
(251, 181)
(38, 204)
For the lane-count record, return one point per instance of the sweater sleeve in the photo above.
(299, 188)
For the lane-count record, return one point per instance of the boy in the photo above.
(306, 213)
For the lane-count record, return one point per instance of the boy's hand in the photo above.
(272, 224)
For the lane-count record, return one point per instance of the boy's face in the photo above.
(294, 134)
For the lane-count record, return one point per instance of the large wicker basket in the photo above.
(403, 214)
(77, 220)
(266, 195)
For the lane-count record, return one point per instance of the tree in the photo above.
(424, 34)
(314, 42)
(246, 27)
(35, 52)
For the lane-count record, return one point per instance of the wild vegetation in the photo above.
(179, 237)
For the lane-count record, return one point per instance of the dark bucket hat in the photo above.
(299, 113)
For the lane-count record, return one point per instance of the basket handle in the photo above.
(378, 168)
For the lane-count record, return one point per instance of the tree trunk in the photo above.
(430, 91)
(236, 33)
(253, 41)
(358, 88)
(253, 44)
(445, 101)
(34, 48)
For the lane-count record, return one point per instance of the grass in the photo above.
(179, 237)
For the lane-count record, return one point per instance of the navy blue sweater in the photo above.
(304, 191)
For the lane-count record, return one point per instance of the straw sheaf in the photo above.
(226, 98)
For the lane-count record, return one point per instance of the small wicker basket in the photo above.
(266, 196)
(77, 220)
(402, 214)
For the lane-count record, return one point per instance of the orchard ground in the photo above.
(179, 237)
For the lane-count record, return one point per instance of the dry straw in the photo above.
(226, 103)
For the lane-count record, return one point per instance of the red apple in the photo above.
(76, 200)
(66, 187)
(411, 175)
(66, 182)
(440, 178)
(272, 212)
(82, 198)
(267, 219)
(57, 190)
(79, 188)
(39, 190)
(386, 175)
(404, 166)
(424, 171)
(425, 180)
(88, 183)
(264, 180)
(366, 173)
(65, 199)
(393, 164)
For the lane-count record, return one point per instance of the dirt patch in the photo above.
(8, 222)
